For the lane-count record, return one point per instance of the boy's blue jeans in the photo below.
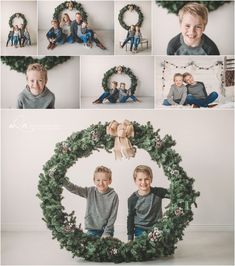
(85, 37)
(125, 98)
(139, 231)
(202, 102)
(98, 233)
(136, 42)
(166, 103)
(108, 96)
(129, 39)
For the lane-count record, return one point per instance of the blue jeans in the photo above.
(86, 36)
(202, 102)
(166, 103)
(69, 39)
(127, 40)
(16, 40)
(52, 35)
(139, 231)
(107, 95)
(97, 233)
(136, 42)
(125, 98)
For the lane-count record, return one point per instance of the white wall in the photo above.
(220, 28)
(204, 140)
(211, 78)
(132, 18)
(63, 81)
(93, 69)
(100, 16)
(27, 8)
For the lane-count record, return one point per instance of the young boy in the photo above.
(144, 205)
(178, 92)
(197, 94)
(112, 96)
(36, 95)
(193, 18)
(54, 35)
(102, 203)
(124, 94)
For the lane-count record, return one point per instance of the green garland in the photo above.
(14, 16)
(119, 70)
(130, 8)
(166, 232)
(20, 63)
(73, 5)
(175, 6)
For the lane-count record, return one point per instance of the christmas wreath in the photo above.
(70, 5)
(16, 15)
(131, 8)
(175, 6)
(119, 70)
(161, 241)
(20, 63)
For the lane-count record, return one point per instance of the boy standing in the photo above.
(102, 203)
(144, 205)
(36, 95)
(178, 92)
(193, 18)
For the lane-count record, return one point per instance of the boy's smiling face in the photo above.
(36, 82)
(192, 28)
(102, 181)
(178, 81)
(143, 182)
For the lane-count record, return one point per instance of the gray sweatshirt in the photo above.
(45, 100)
(101, 208)
(177, 94)
(197, 90)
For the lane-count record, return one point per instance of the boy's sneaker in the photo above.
(105, 101)
(49, 45)
(53, 45)
(100, 45)
(212, 105)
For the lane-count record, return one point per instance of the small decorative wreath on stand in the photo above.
(175, 6)
(119, 70)
(130, 8)
(16, 15)
(161, 241)
(20, 63)
(70, 5)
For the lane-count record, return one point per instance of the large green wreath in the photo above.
(130, 7)
(20, 63)
(167, 231)
(68, 4)
(14, 16)
(175, 6)
(119, 70)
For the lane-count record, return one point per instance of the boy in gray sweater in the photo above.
(178, 92)
(144, 205)
(102, 203)
(36, 95)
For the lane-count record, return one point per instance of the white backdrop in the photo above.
(220, 28)
(63, 81)
(27, 8)
(131, 18)
(100, 17)
(204, 140)
(211, 78)
(93, 69)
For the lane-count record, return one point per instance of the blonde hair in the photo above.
(186, 74)
(177, 75)
(103, 169)
(194, 9)
(65, 15)
(37, 67)
(143, 169)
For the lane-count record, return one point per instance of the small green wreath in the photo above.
(20, 63)
(161, 241)
(119, 70)
(175, 6)
(131, 8)
(17, 15)
(69, 5)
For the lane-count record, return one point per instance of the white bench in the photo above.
(143, 42)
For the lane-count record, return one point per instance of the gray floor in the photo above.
(23, 51)
(37, 248)
(146, 103)
(106, 37)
